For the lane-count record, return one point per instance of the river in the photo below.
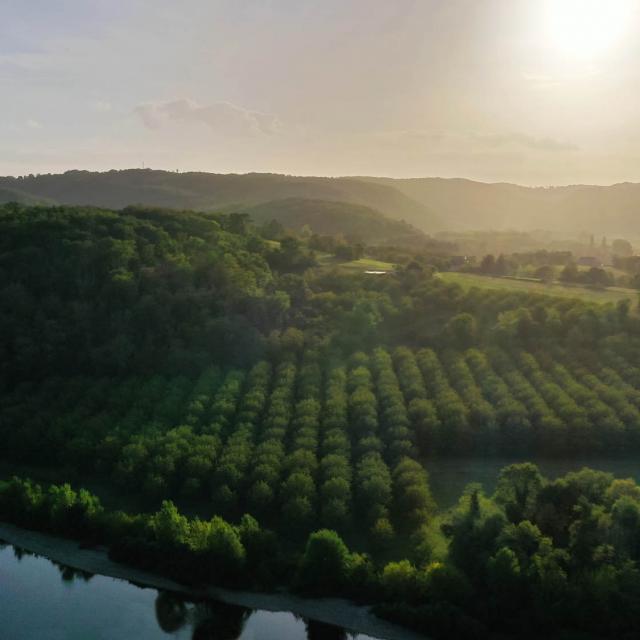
(40, 600)
(449, 476)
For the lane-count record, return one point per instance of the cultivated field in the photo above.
(588, 294)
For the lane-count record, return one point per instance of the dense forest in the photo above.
(248, 411)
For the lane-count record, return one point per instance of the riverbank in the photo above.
(335, 611)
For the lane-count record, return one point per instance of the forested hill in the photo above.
(210, 191)
(429, 204)
(92, 291)
(15, 195)
(466, 204)
(331, 218)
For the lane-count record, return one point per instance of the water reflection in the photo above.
(171, 612)
(219, 621)
(40, 599)
(69, 574)
(19, 553)
(208, 620)
(322, 631)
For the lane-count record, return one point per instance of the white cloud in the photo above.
(475, 141)
(222, 117)
(33, 124)
(525, 141)
(101, 106)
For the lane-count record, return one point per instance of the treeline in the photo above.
(549, 266)
(194, 551)
(537, 557)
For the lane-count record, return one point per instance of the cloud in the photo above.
(477, 142)
(33, 124)
(101, 106)
(222, 117)
(525, 141)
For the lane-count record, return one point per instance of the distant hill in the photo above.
(15, 195)
(210, 191)
(325, 217)
(429, 204)
(465, 204)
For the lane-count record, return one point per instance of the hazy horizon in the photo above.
(317, 175)
(502, 91)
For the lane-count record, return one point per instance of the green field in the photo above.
(611, 294)
(363, 264)
(368, 264)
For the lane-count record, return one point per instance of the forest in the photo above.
(241, 410)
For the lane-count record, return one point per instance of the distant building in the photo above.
(589, 261)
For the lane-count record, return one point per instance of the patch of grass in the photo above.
(363, 264)
(368, 264)
(602, 296)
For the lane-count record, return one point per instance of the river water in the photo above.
(448, 477)
(40, 600)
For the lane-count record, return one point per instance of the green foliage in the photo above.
(462, 330)
(177, 358)
(143, 289)
(541, 554)
(326, 563)
(330, 218)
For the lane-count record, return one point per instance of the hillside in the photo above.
(15, 195)
(143, 289)
(430, 204)
(210, 191)
(330, 218)
(466, 204)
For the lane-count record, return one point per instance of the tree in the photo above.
(518, 489)
(621, 248)
(570, 273)
(170, 527)
(462, 330)
(225, 550)
(488, 264)
(325, 564)
(546, 273)
(402, 582)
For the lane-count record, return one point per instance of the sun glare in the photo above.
(587, 28)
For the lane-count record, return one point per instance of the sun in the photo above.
(587, 28)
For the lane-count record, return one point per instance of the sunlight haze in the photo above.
(532, 92)
(319, 320)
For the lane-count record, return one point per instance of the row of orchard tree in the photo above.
(325, 441)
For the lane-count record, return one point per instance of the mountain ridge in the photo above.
(430, 204)
(210, 191)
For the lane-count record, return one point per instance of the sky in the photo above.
(536, 92)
